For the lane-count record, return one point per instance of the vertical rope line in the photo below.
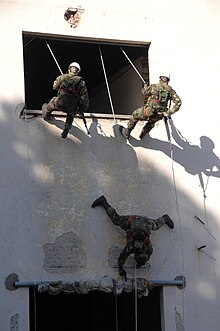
(135, 297)
(178, 215)
(106, 81)
(133, 65)
(54, 57)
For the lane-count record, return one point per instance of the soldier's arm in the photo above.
(146, 91)
(177, 103)
(155, 224)
(84, 97)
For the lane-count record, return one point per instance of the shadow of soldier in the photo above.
(196, 160)
(111, 149)
(61, 124)
(106, 149)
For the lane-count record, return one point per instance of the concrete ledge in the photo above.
(87, 115)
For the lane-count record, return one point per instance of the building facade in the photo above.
(49, 232)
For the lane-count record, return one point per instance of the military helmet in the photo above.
(165, 78)
(141, 259)
(76, 65)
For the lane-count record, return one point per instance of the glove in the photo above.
(166, 114)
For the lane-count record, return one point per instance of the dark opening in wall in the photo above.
(95, 311)
(41, 69)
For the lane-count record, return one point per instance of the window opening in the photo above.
(40, 71)
(94, 311)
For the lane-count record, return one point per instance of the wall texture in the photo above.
(48, 229)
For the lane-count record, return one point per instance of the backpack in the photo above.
(160, 98)
(70, 97)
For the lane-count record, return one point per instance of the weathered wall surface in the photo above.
(48, 229)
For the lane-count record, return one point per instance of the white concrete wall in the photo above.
(48, 184)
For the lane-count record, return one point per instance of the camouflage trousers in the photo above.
(55, 104)
(142, 250)
(144, 113)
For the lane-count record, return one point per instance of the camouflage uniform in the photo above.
(151, 111)
(138, 230)
(81, 103)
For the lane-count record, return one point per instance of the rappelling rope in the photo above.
(173, 174)
(54, 57)
(178, 214)
(133, 65)
(107, 85)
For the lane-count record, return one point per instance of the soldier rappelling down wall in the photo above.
(72, 97)
(138, 230)
(157, 97)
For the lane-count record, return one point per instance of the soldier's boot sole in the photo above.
(99, 202)
(125, 132)
(45, 114)
(168, 221)
(145, 131)
(64, 134)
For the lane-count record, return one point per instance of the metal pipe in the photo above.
(179, 282)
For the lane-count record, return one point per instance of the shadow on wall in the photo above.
(103, 148)
(196, 160)
(81, 172)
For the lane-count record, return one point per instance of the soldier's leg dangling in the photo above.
(148, 126)
(46, 111)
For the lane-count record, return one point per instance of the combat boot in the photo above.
(146, 129)
(101, 201)
(168, 221)
(64, 133)
(125, 132)
(45, 112)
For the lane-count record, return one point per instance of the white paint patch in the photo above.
(43, 173)
(206, 290)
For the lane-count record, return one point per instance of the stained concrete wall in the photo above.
(48, 184)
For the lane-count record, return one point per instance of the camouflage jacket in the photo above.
(63, 84)
(152, 91)
(141, 225)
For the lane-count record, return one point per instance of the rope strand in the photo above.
(107, 85)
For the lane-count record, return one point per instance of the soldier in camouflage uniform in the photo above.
(157, 97)
(72, 97)
(138, 230)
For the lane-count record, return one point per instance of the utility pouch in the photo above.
(70, 96)
(69, 103)
(163, 98)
